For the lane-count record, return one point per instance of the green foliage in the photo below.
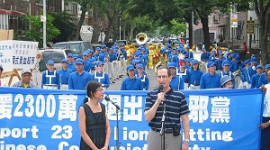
(65, 23)
(35, 32)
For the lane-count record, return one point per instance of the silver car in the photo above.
(57, 55)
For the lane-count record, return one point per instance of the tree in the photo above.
(65, 23)
(262, 9)
(35, 31)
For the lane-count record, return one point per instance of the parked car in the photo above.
(76, 46)
(57, 55)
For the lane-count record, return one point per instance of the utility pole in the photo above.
(44, 20)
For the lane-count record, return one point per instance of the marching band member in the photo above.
(87, 64)
(50, 77)
(79, 79)
(252, 66)
(194, 74)
(64, 74)
(211, 79)
(91, 59)
(226, 82)
(131, 82)
(263, 80)
(205, 56)
(255, 78)
(219, 61)
(122, 59)
(212, 57)
(176, 82)
(100, 76)
(144, 79)
(70, 63)
(103, 56)
(225, 71)
(235, 63)
(246, 75)
(111, 60)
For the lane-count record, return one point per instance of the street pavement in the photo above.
(152, 81)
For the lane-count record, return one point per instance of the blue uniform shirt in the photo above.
(177, 83)
(205, 56)
(254, 81)
(78, 82)
(210, 81)
(64, 74)
(102, 78)
(251, 71)
(50, 78)
(246, 75)
(132, 84)
(87, 66)
(193, 77)
(219, 64)
(262, 80)
(145, 81)
(71, 66)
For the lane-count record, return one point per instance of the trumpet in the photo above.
(141, 38)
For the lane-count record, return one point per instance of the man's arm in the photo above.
(150, 114)
(185, 123)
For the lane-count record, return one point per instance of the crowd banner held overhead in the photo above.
(48, 119)
(17, 54)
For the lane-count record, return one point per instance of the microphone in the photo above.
(107, 98)
(161, 90)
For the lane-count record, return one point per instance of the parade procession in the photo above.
(134, 75)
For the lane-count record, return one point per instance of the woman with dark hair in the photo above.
(93, 120)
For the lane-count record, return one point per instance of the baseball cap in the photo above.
(246, 62)
(99, 63)
(50, 62)
(104, 46)
(79, 61)
(130, 67)
(259, 66)
(171, 65)
(210, 64)
(69, 55)
(140, 66)
(64, 61)
(226, 63)
(194, 62)
(26, 70)
(97, 48)
(267, 66)
(253, 60)
(225, 79)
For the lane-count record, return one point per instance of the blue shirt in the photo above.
(205, 56)
(177, 83)
(145, 81)
(113, 57)
(219, 64)
(102, 55)
(210, 81)
(64, 74)
(246, 75)
(78, 82)
(71, 66)
(50, 78)
(193, 77)
(87, 66)
(262, 80)
(254, 81)
(102, 78)
(131, 84)
(251, 71)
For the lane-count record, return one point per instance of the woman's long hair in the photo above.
(91, 88)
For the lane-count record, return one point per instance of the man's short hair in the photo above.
(163, 67)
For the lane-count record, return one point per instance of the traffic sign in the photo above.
(250, 27)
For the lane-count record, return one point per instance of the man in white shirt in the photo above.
(265, 125)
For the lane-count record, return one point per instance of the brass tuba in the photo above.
(141, 38)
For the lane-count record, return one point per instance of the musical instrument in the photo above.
(141, 38)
